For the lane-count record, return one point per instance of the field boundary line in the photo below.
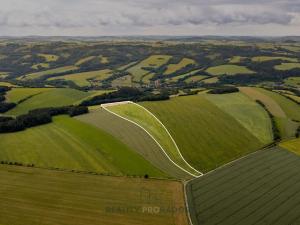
(187, 202)
(266, 147)
(169, 136)
(193, 175)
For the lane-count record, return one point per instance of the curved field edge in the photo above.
(70, 144)
(146, 120)
(206, 136)
(78, 198)
(261, 187)
(285, 111)
(247, 112)
(51, 98)
(134, 137)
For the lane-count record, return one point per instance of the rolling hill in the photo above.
(73, 145)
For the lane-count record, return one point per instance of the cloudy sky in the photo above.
(149, 17)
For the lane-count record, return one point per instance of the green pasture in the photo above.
(52, 98)
(70, 144)
(151, 124)
(206, 136)
(228, 70)
(134, 137)
(247, 112)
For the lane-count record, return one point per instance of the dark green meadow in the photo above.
(262, 188)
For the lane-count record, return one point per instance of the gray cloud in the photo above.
(106, 17)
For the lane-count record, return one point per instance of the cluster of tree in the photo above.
(16, 163)
(188, 92)
(5, 106)
(38, 117)
(263, 74)
(4, 89)
(298, 132)
(223, 90)
(276, 132)
(116, 74)
(5, 118)
(126, 94)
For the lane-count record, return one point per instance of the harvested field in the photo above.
(31, 196)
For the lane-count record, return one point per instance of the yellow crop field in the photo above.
(49, 57)
(175, 67)
(83, 60)
(154, 61)
(40, 65)
(38, 75)
(82, 79)
(270, 58)
(287, 66)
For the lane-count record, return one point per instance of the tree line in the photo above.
(126, 94)
(38, 117)
(275, 129)
(5, 106)
(223, 90)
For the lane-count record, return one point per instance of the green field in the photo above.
(7, 84)
(83, 60)
(17, 94)
(53, 98)
(284, 110)
(172, 68)
(206, 136)
(292, 145)
(247, 112)
(49, 57)
(294, 97)
(154, 61)
(287, 66)
(82, 79)
(262, 188)
(293, 81)
(146, 78)
(236, 59)
(3, 74)
(286, 126)
(270, 58)
(40, 65)
(291, 109)
(125, 81)
(139, 115)
(127, 66)
(39, 75)
(212, 80)
(176, 78)
(195, 79)
(103, 59)
(134, 137)
(228, 70)
(268, 101)
(32, 196)
(70, 144)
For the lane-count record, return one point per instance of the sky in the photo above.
(149, 17)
